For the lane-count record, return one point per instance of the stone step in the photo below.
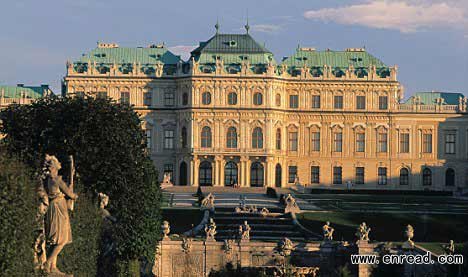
(257, 226)
(263, 238)
(251, 218)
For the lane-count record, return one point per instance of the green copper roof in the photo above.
(27, 91)
(430, 98)
(124, 55)
(341, 59)
(232, 49)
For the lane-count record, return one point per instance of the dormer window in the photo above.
(232, 43)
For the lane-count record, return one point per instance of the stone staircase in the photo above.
(272, 227)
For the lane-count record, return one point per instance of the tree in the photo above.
(109, 147)
(17, 217)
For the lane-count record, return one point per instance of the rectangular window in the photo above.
(383, 102)
(337, 175)
(169, 139)
(294, 101)
(292, 141)
(149, 143)
(450, 140)
(360, 102)
(360, 142)
(337, 142)
(404, 143)
(292, 173)
(427, 143)
(315, 141)
(338, 102)
(382, 175)
(315, 101)
(382, 142)
(101, 95)
(359, 180)
(125, 97)
(168, 99)
(315, 175)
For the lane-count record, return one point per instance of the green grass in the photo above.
(181, 220)
(390, 226)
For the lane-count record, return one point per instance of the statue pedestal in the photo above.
(59, 275)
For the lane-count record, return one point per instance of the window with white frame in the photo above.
(168, 139)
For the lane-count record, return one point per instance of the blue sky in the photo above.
(427, 39)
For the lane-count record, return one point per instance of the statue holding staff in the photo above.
(57, 221)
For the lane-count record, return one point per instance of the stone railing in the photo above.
(432, 108)
(194, 69)
(9, 101)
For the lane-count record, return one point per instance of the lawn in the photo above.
(181, 220)
(390, 226)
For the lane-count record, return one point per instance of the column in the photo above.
(196, 167)
(269, 172)
(222, 164)
(242, 172)
(248, 163)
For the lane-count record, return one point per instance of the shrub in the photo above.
(271, 192)
(80, 257)
(17, 217)
(109, 147)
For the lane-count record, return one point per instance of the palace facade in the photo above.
(232, 114)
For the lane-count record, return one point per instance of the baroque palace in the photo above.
(233, 115)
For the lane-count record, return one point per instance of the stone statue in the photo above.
(244, 231)
(159, 70)
(40, 256)
(291, 205)
(166, 229)
(264, 212)
(450, 248)
(208, 202)
(328, 231)
(57, 221)
(166, 180)
(210, 230)
(285, 247)
(363, 232)
(409, 233)
(103, 202)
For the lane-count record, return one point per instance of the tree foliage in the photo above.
(17, 217)
(109, 147)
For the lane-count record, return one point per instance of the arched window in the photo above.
(231, 141)
(206, 137)
(183, 174)
(427, 177)
(184, 137)
(450, 177)
(256, 175)
(230, 174)
(205, 174)
(278, 139)
(258, 99)
(257, 138)
(278, 100)
(404, 176)
(185, 99)
(232, 98)
(206, 98)
(278, 176)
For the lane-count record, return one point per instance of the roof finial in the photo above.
(217, 26)
(247, 26)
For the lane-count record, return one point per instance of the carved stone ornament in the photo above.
(165, 229)
(187, 244)
(285, 247)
